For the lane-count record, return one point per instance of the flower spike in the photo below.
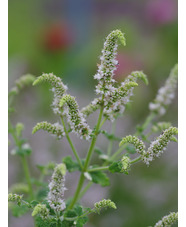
(138, 144)
(108, 62)
(57, 189)
(75, 118)
(105, 203)
(54, 129)
(165, 93)
(159, 145)
(168, 220)
(41, 210)
(58, 88)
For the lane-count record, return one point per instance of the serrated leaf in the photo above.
(71, 164)
(99, 177)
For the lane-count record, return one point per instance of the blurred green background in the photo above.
(66, 38)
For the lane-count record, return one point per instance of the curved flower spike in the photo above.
(165, 93)
(75, 118)
(41, 210)
(57, 189)
(158, 146)
(105, 203)
(108, 64)
(167, 220)
(54, 129)
(138, 144)
(58, 88)
(25, 80)
(138, 75)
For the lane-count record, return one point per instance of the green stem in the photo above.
(76, 196)
(88, 157)
(71, 144)
(23, 159)
(27, 175)
(91, 149)
(101, 168)
(135, 160)
(85, 189)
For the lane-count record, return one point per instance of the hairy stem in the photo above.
(71, 144)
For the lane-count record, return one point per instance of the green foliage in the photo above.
(99, 177)
(71, 164)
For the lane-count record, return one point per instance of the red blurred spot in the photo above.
(57, 38)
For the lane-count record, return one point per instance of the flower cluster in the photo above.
(58, 88)
(54, 129)
(75, 118)
(125, 162)
(167, 220)
(165, 93)
(158, 146)
(15, 198)
(24, 81)
(41, 210)
(133, 77)
(108, 62)
(138, 144)
(57, 189)
(105, 203)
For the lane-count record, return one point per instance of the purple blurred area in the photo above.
(66, 38)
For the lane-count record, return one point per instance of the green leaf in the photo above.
(99, 177)
(71, 164)
(115, 167)
(81, 221)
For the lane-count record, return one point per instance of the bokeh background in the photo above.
(66, 37)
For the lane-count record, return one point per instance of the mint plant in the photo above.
(52, 209)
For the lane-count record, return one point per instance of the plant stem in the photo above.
(23, 159)
(76, 196)
(85, 189)
(101, 168)
(91, 149)
(135, 160)
(27, 175)
(71, 144)
(87, 160)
